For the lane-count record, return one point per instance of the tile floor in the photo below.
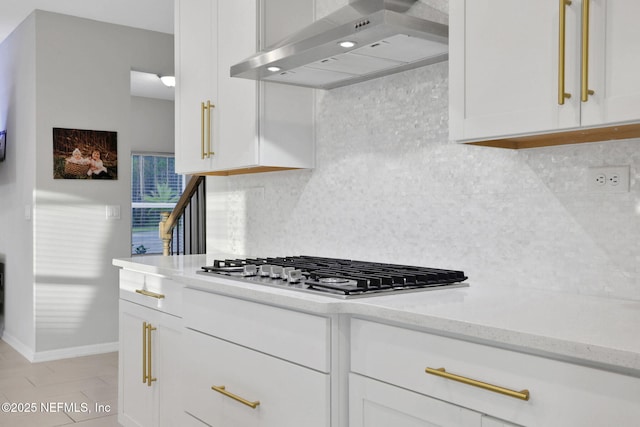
(79, 392)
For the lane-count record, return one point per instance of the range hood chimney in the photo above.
(364, 40)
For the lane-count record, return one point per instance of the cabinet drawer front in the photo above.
(151, 291)
(376, 404)
(285, 394)
(299, 337)
(559, 391)
(190, 421)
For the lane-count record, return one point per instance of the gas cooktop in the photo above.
(336, 277)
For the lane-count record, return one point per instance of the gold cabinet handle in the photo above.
(585, 91)
(149, 376)
(144, 352)
(205, 129)
(149, 293)
(202, 153)
(210, 106)
(561, 48)
(222, 389)
(441, 372)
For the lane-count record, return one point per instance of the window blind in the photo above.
(155, 188)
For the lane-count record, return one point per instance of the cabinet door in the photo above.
(377, 404)
(196, 41)
(136, 400)
(236, 144)
(289, 395)
(139, 403)
(252, 123)
(189, 421)
(488, 421)
(614, 61)
(167, 370)
(504, 68)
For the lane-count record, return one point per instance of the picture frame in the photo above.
(85, 154)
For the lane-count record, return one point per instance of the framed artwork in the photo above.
(85, 154)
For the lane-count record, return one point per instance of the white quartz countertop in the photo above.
(600, 332)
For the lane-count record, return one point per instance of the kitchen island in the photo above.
(570, 351)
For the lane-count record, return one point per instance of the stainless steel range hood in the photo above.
(387, 41)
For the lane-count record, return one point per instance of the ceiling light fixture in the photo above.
(168, 81)
(273, 69)
(347, 44)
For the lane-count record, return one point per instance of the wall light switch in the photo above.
(113, 212)
(27, 212)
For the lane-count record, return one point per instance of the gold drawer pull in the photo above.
(222, 389)
(440, 372)
(561, 51)
(585, 91)
(145, 371)
(149, 294)
(148, 347)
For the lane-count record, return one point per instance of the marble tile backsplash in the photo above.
(389, 186)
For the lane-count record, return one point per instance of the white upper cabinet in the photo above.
(613, 62)
(196, 81)
(510, 60)
(230, 125)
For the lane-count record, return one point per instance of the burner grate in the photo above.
(347, 277)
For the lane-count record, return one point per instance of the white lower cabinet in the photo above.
(232, 386)
(249, 364)
(560, 393)
(191, 357)
(377, 404)
(488, 421)
(149, 359)
(189, 420)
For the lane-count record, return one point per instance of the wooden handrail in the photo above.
(170, 220)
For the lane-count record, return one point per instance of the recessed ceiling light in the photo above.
(168, 81)
(347, 44)
(273, 69)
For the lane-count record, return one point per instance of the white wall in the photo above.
(82, 70)
(389, 186)
(152, 125)
(17, 180)
(83, 83)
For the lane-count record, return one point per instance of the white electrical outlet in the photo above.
(608, 179)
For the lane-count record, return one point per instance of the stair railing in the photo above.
(191, 207)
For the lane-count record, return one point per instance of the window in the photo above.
(155, 188)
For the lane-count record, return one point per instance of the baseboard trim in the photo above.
(19, 346)
(63, 353)
(66, 353)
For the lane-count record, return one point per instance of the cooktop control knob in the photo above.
(295, 276)
(265, 270)
(286, 271)
(249, 270)
(276, 272)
